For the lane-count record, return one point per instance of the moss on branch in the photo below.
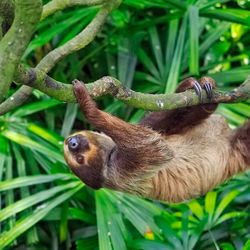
(79, 42)
(15, 41)
(37, 77)
(6, 15)
(111, 86)
(17, 99)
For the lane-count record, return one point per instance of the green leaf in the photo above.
(242, 109)
(212, 36)
(3, 146)
(210, 201)
(196, 233)
(80, 214)
(210, 3)
(231, 15)
(176, 61)
(69, 119)
(232, 117)
(149, 245)
(45, 134)
(227, 199)
(194, 40)
(32, 235)
(157, 50)
(173, 28)
(103, 234)
(235, 75)
(149, 64)
(31, 200)
(247, 245)
(9, 197)
(117, 237)
(52, 30)
(196, 208)
(230, 215)
(127, 60)
(170, 234)
(87, 244)
(28, 142)
(24, 224)
(34, 107)
(63, 227)
(86, 18)
(32, 180)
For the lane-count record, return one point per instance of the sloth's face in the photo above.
(88, 153)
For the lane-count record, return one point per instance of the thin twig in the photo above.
(56, 5)
(17, 99)
(78, 42)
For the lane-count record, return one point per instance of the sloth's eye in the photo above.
(73, 143)
(77, 143)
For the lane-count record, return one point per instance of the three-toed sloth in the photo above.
(171, 155)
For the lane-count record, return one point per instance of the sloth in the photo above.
(171, 155)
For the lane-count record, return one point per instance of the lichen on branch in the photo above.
(78, 42)
(15, 41)
(37, 77)
(6, 16)
(110, 86)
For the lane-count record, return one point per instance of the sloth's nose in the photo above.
(77, 143)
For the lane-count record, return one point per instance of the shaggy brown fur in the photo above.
(171, 155)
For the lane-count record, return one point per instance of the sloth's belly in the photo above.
(200, 159)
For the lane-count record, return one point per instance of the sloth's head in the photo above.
(88, 155)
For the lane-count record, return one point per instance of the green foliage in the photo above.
(150, 46)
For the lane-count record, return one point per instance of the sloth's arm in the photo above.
(180, 120)
(135, 143)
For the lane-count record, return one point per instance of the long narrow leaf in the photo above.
(34, 199)
(26, 223)
(194, 40)
(176, 62)
(32, 180)
(231, 15)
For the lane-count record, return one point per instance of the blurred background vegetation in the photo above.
(149, 46)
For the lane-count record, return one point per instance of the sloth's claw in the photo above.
(208, 88)
(198, 89)
(206, 83)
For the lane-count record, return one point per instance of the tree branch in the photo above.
(17, 99)
(6, 15)
(79, 42)
(15, 41)
(56, 5)
(109, 85)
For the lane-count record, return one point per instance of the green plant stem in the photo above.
(15, 41)
(109, 85)
(56, 5)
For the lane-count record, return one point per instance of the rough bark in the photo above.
(15, 41)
